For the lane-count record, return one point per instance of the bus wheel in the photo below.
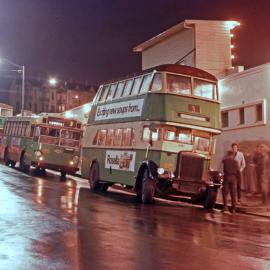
(211, 197)
(24, 167)
(94, 177)
(148, 188)
(163, 187)
(6, 159)
(103, 187)
(63, 175)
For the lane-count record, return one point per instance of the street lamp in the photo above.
(22, 70)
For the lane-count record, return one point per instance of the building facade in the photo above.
(245, 111)
(41, 97)
(199, 43)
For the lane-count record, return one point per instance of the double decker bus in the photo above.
(43, 141)
(155, 132)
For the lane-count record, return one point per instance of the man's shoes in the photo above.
(225, 210)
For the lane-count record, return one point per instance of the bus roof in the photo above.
(173, 68)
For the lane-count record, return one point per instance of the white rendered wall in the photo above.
(247, 87)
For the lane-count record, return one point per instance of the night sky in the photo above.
(92, 40)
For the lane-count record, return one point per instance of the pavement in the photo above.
(251, 204)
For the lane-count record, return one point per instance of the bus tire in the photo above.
(210, 199)
(93, 178)
(148, 188)
(103, 187)
(63, 175)
(6, 159)
(24, 167)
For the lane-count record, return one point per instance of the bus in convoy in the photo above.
(154, 132)
(43, 141)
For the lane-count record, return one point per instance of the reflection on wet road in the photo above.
(47, 224)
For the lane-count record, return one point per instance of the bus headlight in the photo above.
(38, 153)
(160, 171)
(71, 163)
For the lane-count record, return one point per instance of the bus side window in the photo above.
(102, 137)
(109, 138)
(157, 83)
(184, 136)
(146, 83)
(117, 137)
(136, 86)
(95, 139)
(119, 90)
(111, 92)
(127, 88)
(104, 93)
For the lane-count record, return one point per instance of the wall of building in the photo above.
(247, 91)
(170, 50)
(213, 51)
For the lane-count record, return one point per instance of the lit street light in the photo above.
(22, 70)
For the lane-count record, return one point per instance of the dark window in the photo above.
(242, 116)
(259, 112)
(225, 119)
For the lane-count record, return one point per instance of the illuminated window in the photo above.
(136, 86)
(146, 83)
(117, 137)
(201, 144)
(104, 93)
(119, 89)
(184, 136)
(157, 83)
(146, 134)
(102, 137)
(127, 88)
(204, 89)
(178, 84)
(169, 135)
(111, 92)
(110, 137)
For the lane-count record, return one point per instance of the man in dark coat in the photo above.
(231, 175)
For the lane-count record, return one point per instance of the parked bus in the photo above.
(43, 141)
(154, 132)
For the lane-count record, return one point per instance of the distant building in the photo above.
(199, 43)
(41, 97)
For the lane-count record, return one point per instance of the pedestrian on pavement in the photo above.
(258, 161)
(231, 174)
(239, 157)
(265, 173)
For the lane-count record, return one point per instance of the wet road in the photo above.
(47, 224)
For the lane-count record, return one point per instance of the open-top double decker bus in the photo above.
(43, 141)
(154, 132)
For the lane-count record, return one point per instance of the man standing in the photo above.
(231, 174)
(239, 157)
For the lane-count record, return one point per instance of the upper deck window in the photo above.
(157, 83)
(178, 84)
(146, 83)
(136, 86)
(119, 89)
(104, 93)
(111, 92)
(204, 89)
(127, 88)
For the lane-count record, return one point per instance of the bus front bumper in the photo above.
(56, 167)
